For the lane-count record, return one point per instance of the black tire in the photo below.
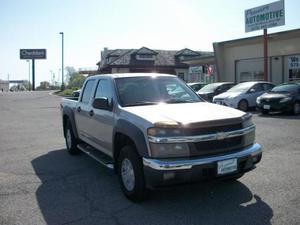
(133, 189)
(243, 105)
(263, 111)
(72, 142)
(296, 108)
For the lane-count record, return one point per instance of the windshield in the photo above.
(210, 87)
(291, 88)
(242, 87)
(135, 91)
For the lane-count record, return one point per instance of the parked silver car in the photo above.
(243, 95)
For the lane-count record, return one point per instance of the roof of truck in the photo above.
(125, 75)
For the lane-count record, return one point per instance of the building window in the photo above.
(181, 75)
(294, 74)
(144, 57)
(251, 76)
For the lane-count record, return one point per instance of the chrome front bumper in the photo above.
(184, 164)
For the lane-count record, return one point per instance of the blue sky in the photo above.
(91, 25)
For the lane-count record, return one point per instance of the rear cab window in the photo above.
(87, 91)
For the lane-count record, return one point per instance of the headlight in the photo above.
(163, 132)
(247, 120)
(285, 99)
(166, 150)
(258, 100)
(169, 150)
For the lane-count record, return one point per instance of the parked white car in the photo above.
(243, 95)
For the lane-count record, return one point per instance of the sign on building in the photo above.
(266, 16)
(294, 62)
(32, 53)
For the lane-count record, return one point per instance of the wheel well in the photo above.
(243, 99)
(120, 140)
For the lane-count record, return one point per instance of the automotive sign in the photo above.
(32, 53)
(266, 16)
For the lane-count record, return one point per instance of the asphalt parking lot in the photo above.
(41, 184)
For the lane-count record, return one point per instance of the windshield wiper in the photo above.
(140, 103)
(179, 101)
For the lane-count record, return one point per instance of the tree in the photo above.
(27, 84)
(75, 79)
(44, 85)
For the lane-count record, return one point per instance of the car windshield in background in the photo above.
(242, 87)
(291, 88)
(134, 91)
(209, 87)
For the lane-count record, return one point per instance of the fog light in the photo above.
(255, 159)
(169, 176)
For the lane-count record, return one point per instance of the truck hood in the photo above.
(275, 95)
(185, 113)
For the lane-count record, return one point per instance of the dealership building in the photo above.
(242, 60)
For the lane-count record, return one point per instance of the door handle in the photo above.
(79, 109)
(91, 112)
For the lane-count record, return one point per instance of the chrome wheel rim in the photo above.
(69, 138)
(297, 108)
(127, 174)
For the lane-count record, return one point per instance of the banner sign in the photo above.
(266, 16)
(294, 62)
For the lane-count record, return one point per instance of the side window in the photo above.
(104, 90)
(257, 88)
(87, 91)
(267, 86)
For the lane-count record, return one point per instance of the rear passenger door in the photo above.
(82, 111)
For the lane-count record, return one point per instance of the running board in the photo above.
(96, 154)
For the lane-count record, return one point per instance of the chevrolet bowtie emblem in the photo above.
(221, 136)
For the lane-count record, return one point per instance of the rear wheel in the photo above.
(296, 108)
(131, 175)
(71, 141)
(243, 105)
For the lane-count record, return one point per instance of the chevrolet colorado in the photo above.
(154, 130)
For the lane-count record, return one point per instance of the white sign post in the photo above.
(266, 16)
(263, 17)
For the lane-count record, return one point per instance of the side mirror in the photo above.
(101, 103)
(252, 90)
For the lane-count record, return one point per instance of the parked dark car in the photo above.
(76, 93)
(283, 98)
(196, 86)
(213, 89)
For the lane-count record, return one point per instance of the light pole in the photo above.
(28, 74)
(62, 61)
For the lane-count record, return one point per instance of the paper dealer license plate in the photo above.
(227, 166)
(266, 106)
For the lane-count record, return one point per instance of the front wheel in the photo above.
(296, 108)
(131, 175)
(243, 105)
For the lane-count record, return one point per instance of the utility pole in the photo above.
(62, 61)
(28, 74)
